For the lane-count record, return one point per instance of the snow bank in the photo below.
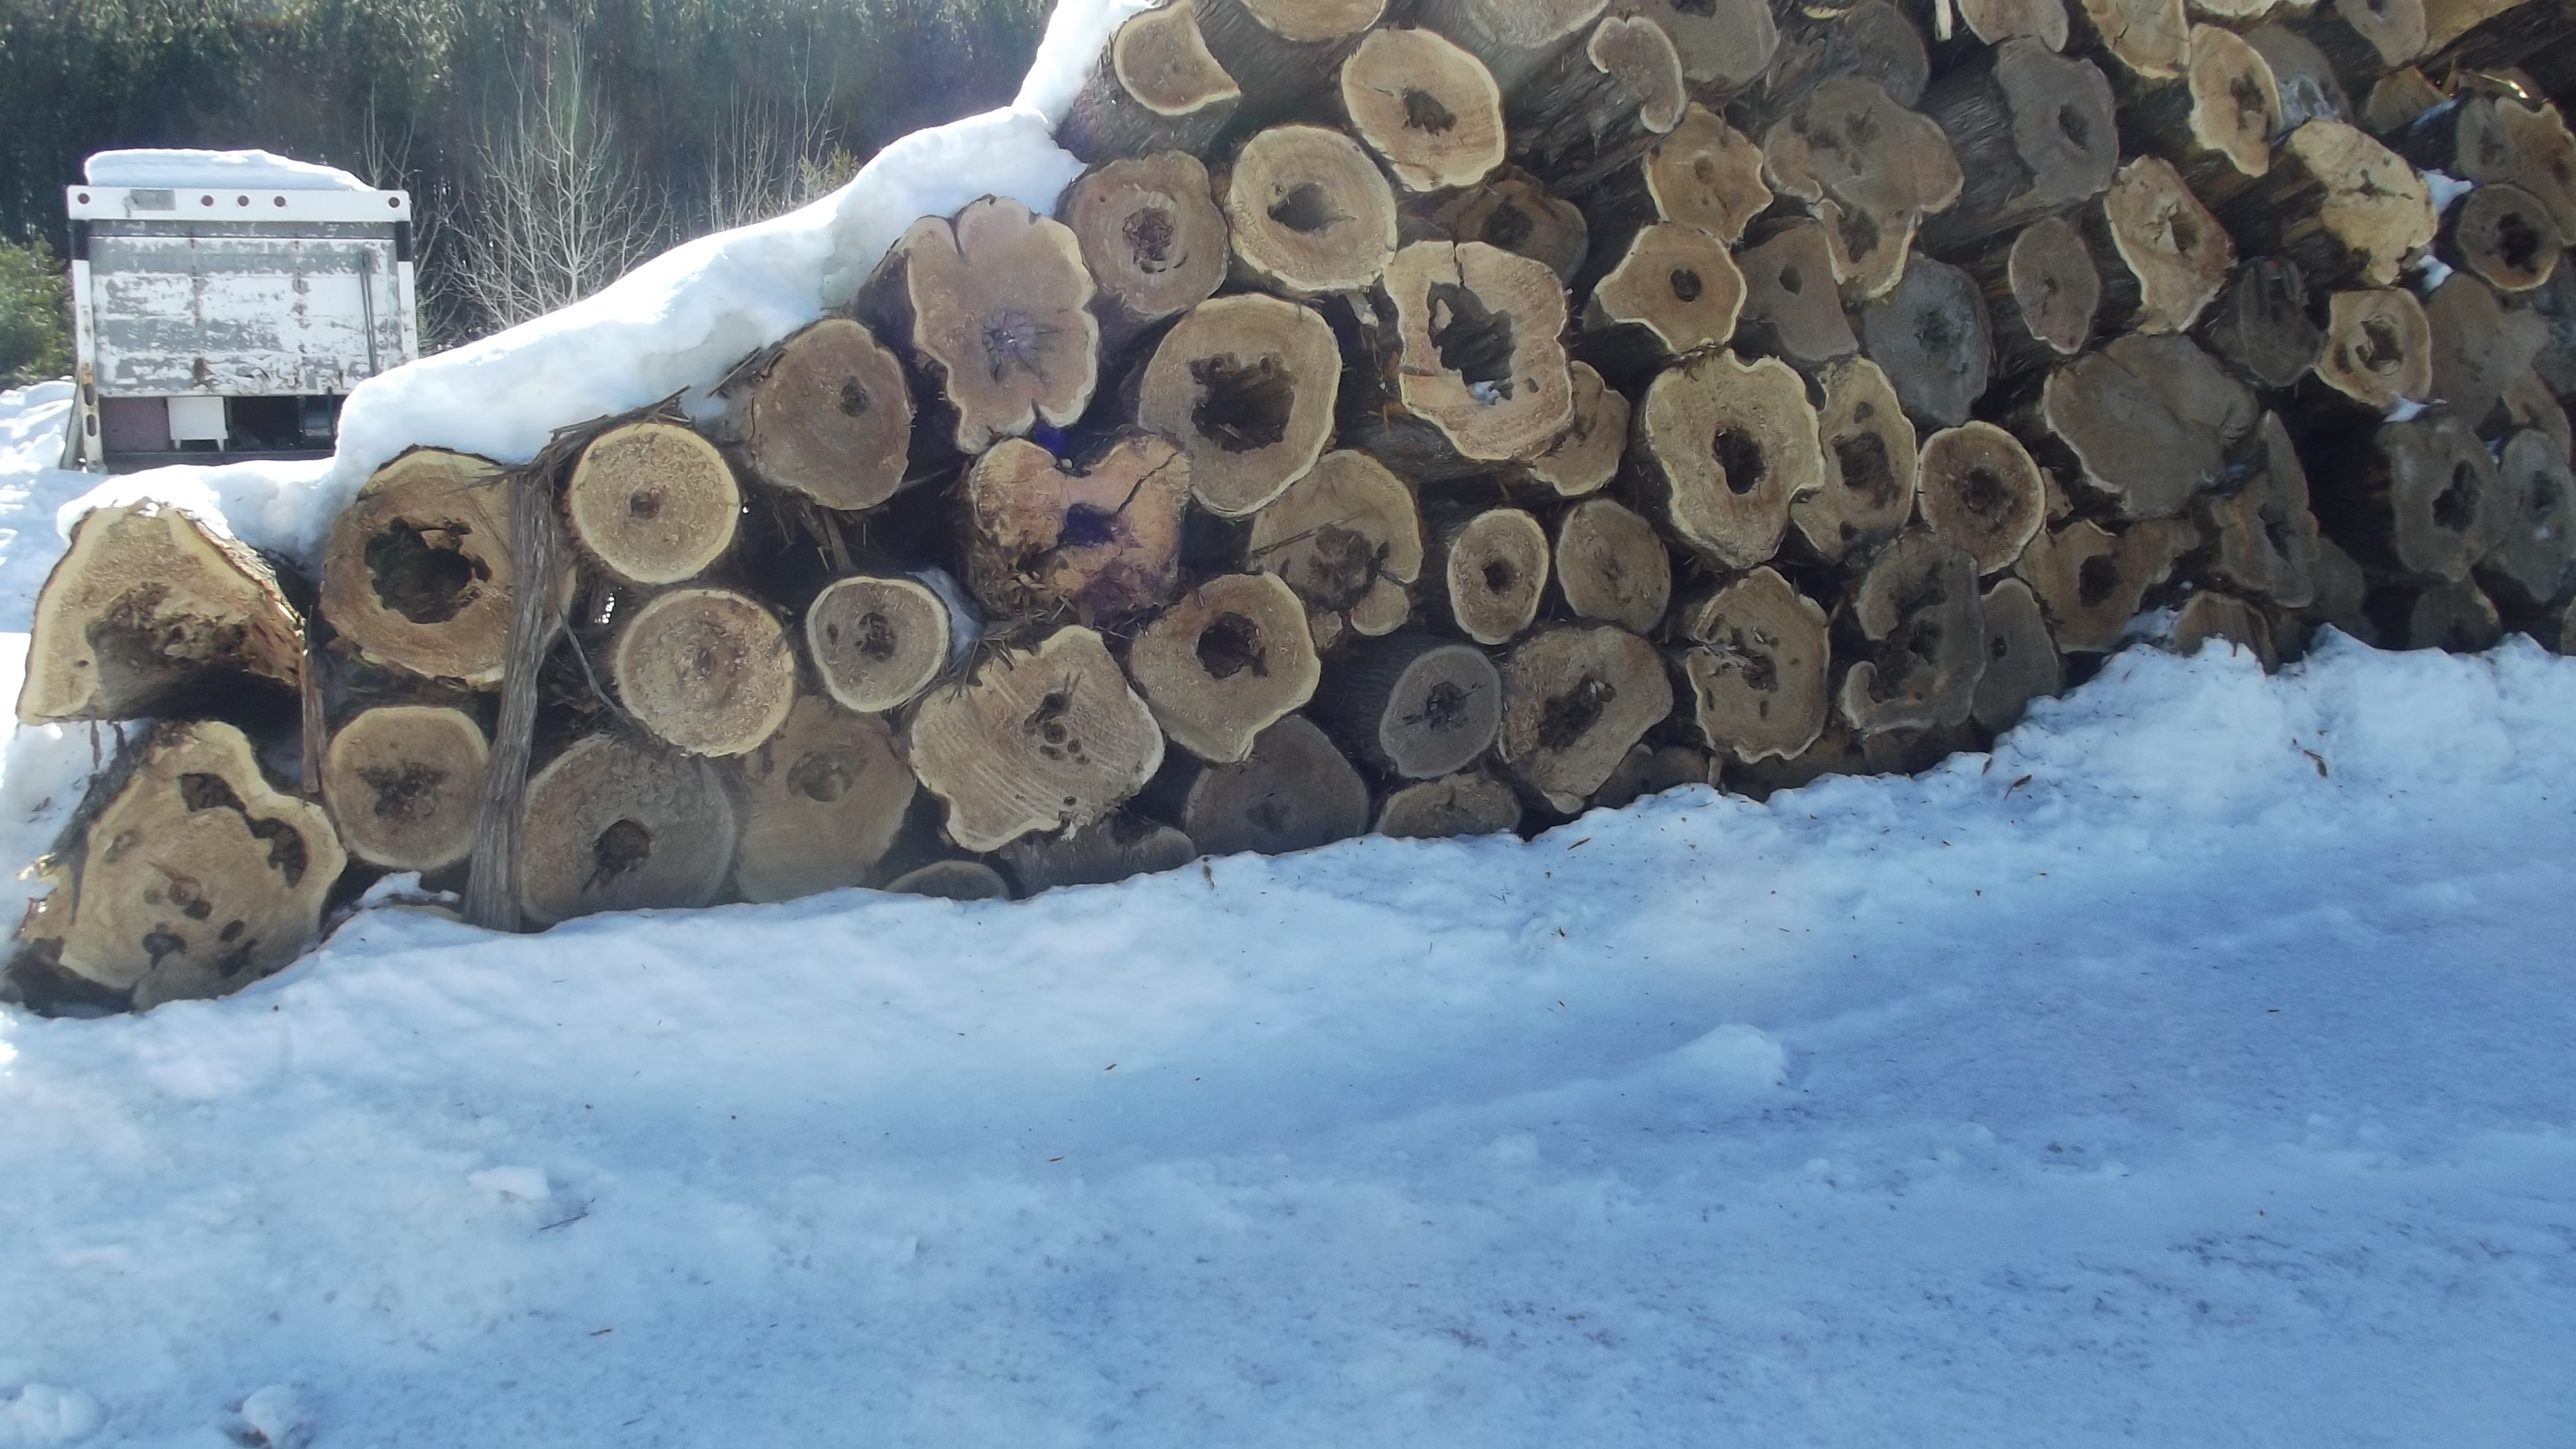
(244, 170)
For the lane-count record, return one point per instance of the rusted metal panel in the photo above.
(242, 315)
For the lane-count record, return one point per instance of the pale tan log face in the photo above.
(1425, 105)
(2235, 102)
(1050, 738)
(2054, 280)
(708, 670)
(1496, 574)
(830, 417)
(1308, 22)
(1099, 542)
(1611, 565)
(877, 642)
(1758, 668)
(821, 802)
(1441, 712)
(1677, 282)
(1310, 212)
(1246, 386)
(417, 571)
(1586, 456)
(1347, 538)
(2090, 581)
(1574, 700)
(1160, 59)
(2175, 247)
(2151, 37)
(2022, 662)
(1981, 493)
(1481, 358)
(1869, 457)
(2379, 348)
(1733, 444)
(1224, 662)
(1638, 52)
(654, 503)
(2374, 204)
(1846, 141)
(1151, 233)
(2505, 235)
(620, 825)
(1789, 287)
(1001, 306)
(1707, 174)
(403, 783)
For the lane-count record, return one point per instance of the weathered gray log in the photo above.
(2260, 323)
(1917, 628)
(1293, 792)
(2034, 132)
(1869, 458)
(1413, 704)
(1574, 699)
(2022, 662)
(1931, 334)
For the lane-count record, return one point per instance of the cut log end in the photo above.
(2438, 508)
(1932, 335)
(1495, 568)
(1294, 791)
(877, 642)
(1869, 459)
(1348, 538)
(1152, 235)
(2505, 235)
(1981, 493)
(1586, 457)
(2378, 348)
(1310, 212)
(403, 783)
(708, 670)
(820, 802)
(1246, 386)
(1114, 849)
(1574, 700)
(1513, 211)
(2152, 38)
(1921, 623)
(1414, 705)
(1707, 174)
(417, 572)
(2022, 662)
(1429, 108)
(2530, 564)
(1049, 738)
(2235, 101)
(952, 880)
(654, 503)
(2055, 284)
(1611, 565)
(1454, 805)
(829, 417)
(1789, 290)
(1478, 350)
(1723, 44)
(1757, 668)
(997, 305)
(2174, 248)
(2260, 324)
(2210, 615)
(2266, 535)
(1099, 541)
(1732, 445)
(1224, 662)
(2090, 581)
(615, 824)
(1677, 285)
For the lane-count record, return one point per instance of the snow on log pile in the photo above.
(1431, 418)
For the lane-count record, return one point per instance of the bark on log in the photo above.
(403, 783)
(1791, 307)
(2034, 133)
(2534, 560)
(652, 503)
(1282, 52)
(1453, 805)
(417, 571)
(2503, 234)
(1512, 37)
(1611, 566)
(1869, 462)
(1293, 792)
(2090, 582)
(2022, 662)
(2207, 616)
(2217, 126)
(1224, 662)
(1413, 705)
(1246, 386)
(2163, 255)
(1473, 373)
(878, 642)
(2260, 323)
(819, 803)
(1725, 45)
(1870, 169)
(2150, 38)
(1156, 88)
(1348, 538)
(952, 880)
(1493, 569)
(618, 825)
(2478, 348)
(1113, 849)
(1150, 231)
(1757, 668)
(1045, 738)
(1872, 40)
(1920, 639)
(1095, 542)
(2309, 90)
(1724, 447)
(538, 616)
(1428, 108)
(149, 612)
(1586, 457)
(708, 670)
(1309, 211)
(1931, 334)
(827, 415)
(2041, 294)
(2265, 535)
(1513, 211)
(1574, 699)
(1981, 493)
(2362, 38)
(2339, 204)
(1595, 104)
(1675, 292)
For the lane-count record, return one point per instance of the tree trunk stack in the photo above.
(1434, 417)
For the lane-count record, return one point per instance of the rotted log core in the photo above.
(1726, 446)
(1225, 661)
(402, 783)
(1049, 738)
(1574, 699)
(1095, 542)
(417, 571)
(1869, 461)
(1757, 667)
(1981, 493)
(1919, 624)
(1152, 235)
(1347, 538)
(1246, 386)
(617, 824)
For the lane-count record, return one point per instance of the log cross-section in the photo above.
(878, 642)
(1574, 699)
(1246, 387)
(1098, 541)
(1727, 447)
(708, 670)
(1478, 354)
(820, 802)
(617, 824)
(1224, 662)
(1413, 704)
(2034, 132)
(1310, 212)
(1981, 493)
(1155, 88)
(1757, 668)
(652, 502)
(403, 781)
(829, 416)
(1153, 237)
(1921, 629)
(1045, 738)
(1869, 455)
(1430, 109)
(417, 571)
(1348, 538)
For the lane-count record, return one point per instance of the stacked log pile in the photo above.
(1430, 418)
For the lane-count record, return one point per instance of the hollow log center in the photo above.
(823, 776)
(1230, 645)
(622, 848)
(2455, 508)
(1473, 340)
(1243, 407)
(1741, 459)
(422, 572)
(1149, 232)
(406, 795)
(1423, 112)
(1566, 718)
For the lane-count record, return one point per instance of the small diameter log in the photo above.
(1413, 705)
(2206, 616)
(2362, 38)
(1574, 699)
(1310, 212)
(1791, 306)
(1869, 457)
(149, 611)
(820, 802)
(1931, 334)
(2533, 559)
(1476, 373)
(1048, 738)
(402, 782)
(2456, 617)
(1512, 37)
(2478, 347)
(952, 880)
(1156, 88)
(829, 416)
(1113, 849)
(1595, 103)
(2504, 235)
(2163, 256)
(1725, 45)
(1611, 565)
(1493, 570)
(1675, 292)
(1293, 792)
(2266, 537)
(197, 877)
(2022, 662)
(2091, 581)
(1869, 168)
(2378, 348)
(2342, 592)
(1430, 109)
(2041, 295)
(2429, 505)
(2216, 127)
(996, 306)
(1283, 52)
(2034, 133)
(417, 571)
(1347, 538)
(1096, 541)
(877, 642)
(2121, 441)
(1757, 668)
(2339, 204)
(652, 503)
(2309, 90)
(1586, 456)
(1981, 493)
(708, 670)
(1514, 211)
(1246, 386)
(1725, 447)
(614, 824)
(2260, 323)
(1921, 639)
(1224, 662)
(1150, 231)
(1454, 805)
(2150, 38)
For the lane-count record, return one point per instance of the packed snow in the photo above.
(215, 170)
(2192, 1069)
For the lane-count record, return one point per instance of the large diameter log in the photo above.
(2428, 503)
(1477, 352)
(1153, 237)
(2150, 38)
(1574, 700)
(1514, 211)
(2378, 348)
(2163, 255)
(402, 782)
(2457, 617)
(1981, 493)
(1869, 456)
(2478, 348)
(708, 670)
(1675, 292)
(1413, 704)
(2041, 296)
(1594, 103)
(1246, 387)
(1791, 306)
(1757, 668)
(1224, 662)
(1123, 845)
(2260, 323)
(1430, 109)
(1347, 538)
(2535, 554)
(417, 570)
(1726, 446)
(2193, 385)
(615, 824)
(2022, 662)
(1871, 170)
(2339, 204)
(820, 802)
(1045, 738)
(2217, 126)
(1931, 335)
(652, 502)
(1309, 211)
(1921, 629)
(1725, 45)
(2266, 537)
(1293, 792)
(196, 877)
(877, 642)
(828, 415)
(2034, 132)
(1453, 805)
(1283, 52)
(1586, 456)
(147, 612)
(2125, 444)
(1512, 37)
(1099, 540)
(996, 306)
(1156, 88)
(2504, 235)
(1493, 569)
(1611, 565)
(2090, 581)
